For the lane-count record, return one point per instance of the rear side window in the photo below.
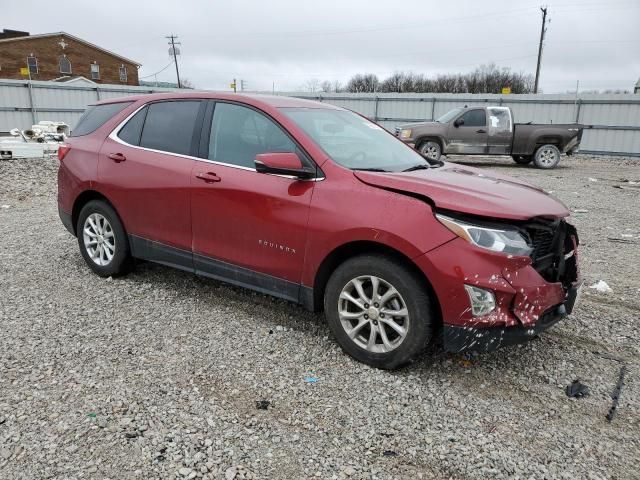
(132, 131)
(169, 126)
(97, 115)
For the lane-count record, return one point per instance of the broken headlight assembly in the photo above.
(497, 239)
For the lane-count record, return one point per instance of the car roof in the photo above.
(258, 100)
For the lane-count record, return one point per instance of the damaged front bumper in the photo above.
(458, 339)
(531, 293)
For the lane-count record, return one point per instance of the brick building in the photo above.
(60, 56)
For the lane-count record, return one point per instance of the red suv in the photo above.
(317, 205)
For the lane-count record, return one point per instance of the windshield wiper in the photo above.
(420, 166)
(370, 169)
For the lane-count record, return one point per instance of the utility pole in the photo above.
(542, 32)
(243, 85)
(173, 43)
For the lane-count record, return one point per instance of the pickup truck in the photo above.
(491, 131)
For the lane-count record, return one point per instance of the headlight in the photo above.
(504, 240)
(405, 133)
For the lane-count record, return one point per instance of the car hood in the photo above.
(472, 191)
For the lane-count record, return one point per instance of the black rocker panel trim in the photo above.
(219, 270)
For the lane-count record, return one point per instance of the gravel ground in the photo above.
(157, 375)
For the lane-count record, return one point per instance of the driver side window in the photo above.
(474, 118)
(240, 133)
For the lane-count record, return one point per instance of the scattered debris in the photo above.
(628, 184)
(577, 390)
(623, 240)
(615, 395)
(91, 415)
(591, 179)
(262, 404)
(6, 206)
(390, 453)
(41, 140)
(311, 379)
(580, 210)
(608, 356)
(602, 287)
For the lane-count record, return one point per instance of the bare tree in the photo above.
(326, 86)
(312, 85)
(484, 79)
(186, 83)
(363, 83)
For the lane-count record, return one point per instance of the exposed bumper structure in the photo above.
(460, 339)
(531, 294)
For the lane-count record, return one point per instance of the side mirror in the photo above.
(282, 163)
(458, 122)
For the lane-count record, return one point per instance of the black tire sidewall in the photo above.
(414, 293)
(121, 262)
(537, 161)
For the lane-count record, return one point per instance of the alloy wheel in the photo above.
(431, 150)
(99, 239)
(373, 314)
(547, 157)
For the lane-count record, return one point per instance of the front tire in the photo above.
(547, 156)
(379, 311)
(102, 240)
(431, 150)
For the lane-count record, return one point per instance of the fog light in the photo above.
(482, 301)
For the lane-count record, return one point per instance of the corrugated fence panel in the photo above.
(614, 119)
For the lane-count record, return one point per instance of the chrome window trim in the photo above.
(114, 136)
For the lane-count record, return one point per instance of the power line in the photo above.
(159, 71)
(542, 32)
(173, 44)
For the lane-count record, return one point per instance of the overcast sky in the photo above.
(288, 42)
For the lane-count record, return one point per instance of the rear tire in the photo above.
(522, 159)
(430, 149)
(365, 325)
(103, 242)
(547, 156)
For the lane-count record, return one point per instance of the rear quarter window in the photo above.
(97, 115)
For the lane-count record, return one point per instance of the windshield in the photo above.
(353, 141)
(447, 117)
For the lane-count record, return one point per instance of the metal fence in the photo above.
(23, 104)
(613, 120)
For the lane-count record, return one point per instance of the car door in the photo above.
(500, 130)
(249, 228)
(468, 132)
(145, 170)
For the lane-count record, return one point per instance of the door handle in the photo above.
(117, 157)
(208, 177)
(481, 131)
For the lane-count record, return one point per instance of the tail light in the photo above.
(62, 151)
